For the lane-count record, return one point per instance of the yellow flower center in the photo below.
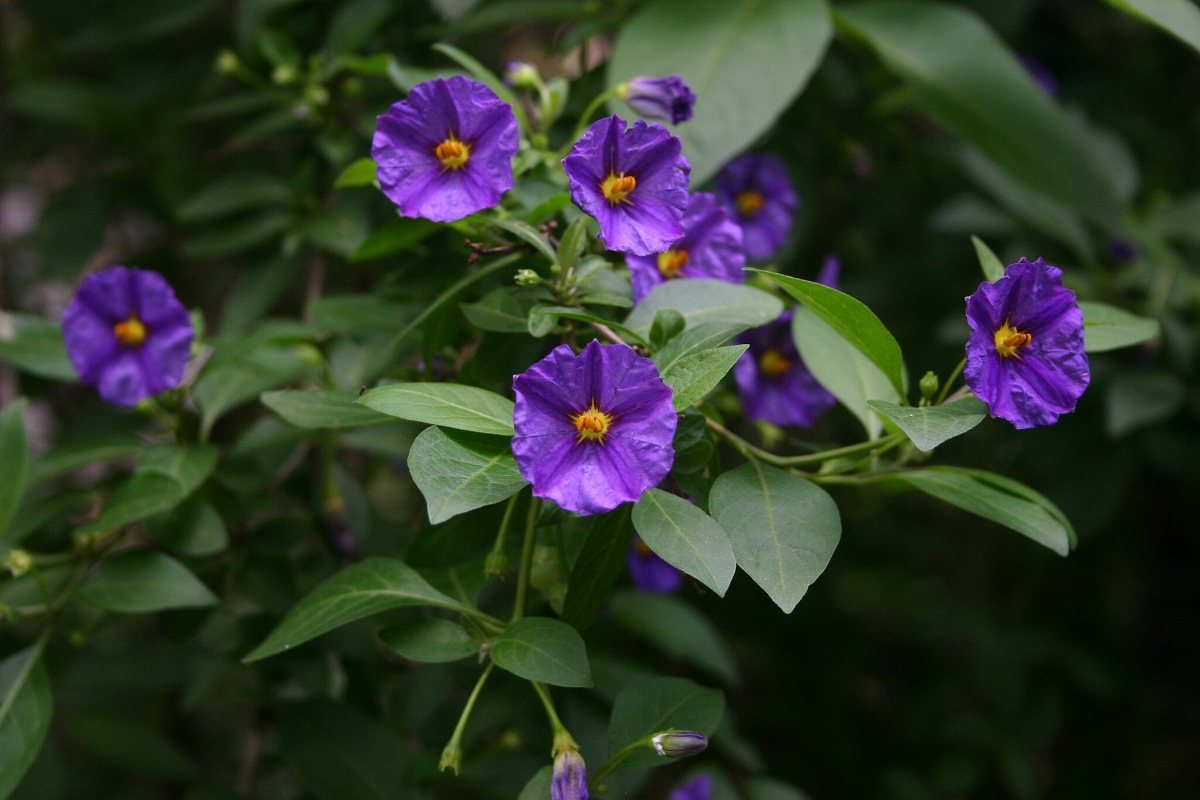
(750, 203)
(131, 332)
(773, 363)
(616, 188)
(671, 263)
(452, 153)
(1009, 340)
(592, 424)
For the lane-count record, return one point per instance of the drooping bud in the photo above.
(668, 99)
(569, 781)
(679, 744)
(929, 385)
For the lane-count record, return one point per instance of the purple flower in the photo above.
(127, 335)
(649, 572)
(1025, 357)
(444, 152)
(634, 182)
(773, 382)
(668, 99)
(594, 430)
(698, 788)
(569, 781)
(711, 247)
(757, 193)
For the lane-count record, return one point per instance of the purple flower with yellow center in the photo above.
(633, 181)
(711, 247)
(127, 335)
(1025, 357)
(668, 99)
(445, 152)
(773, 382)
(758, 195)
(649, 572)
(698, 788)
(594, 430)
(569, 779)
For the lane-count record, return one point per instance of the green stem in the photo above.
(614, 761)
(452, 753)
(42, 588)
(750, 451)
(562, 737)
(498, 548)
(950, 382)
(586, 116)
(526, 558)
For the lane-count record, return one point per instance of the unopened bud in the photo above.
(679, 744)
(227, 62)
(569, 781)
(18, 562)
(929, 385)
(496, 565)
(451, 757)
(527, 277)
(284, 74)
(544, 569)
(522, 75)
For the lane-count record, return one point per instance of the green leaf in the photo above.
(432, 641)
(25, 710)
(14, 465)
(504, 310)
(322, 408)
(364, 314)
(526, 233)
(545, 650)
(79, 453)
(702, 301)
(226, 385)
(457, 471)
(677, 628)
(543, 319)
(668, 323)
(599, 565)
(841, 368)
(1139, 399)
(142, 581)
(695, 339)
(34, 345)
(993, 268)
(573, 242)
(1107, 327)
(1180, 18)
(600, 284)
(999, 499)
(360, 173)
(234, 193)
(746, 61)
(366, 588)
(967, 79)
(783, 528)
(188, 465)
(341, 753)
(693, 377)
(465, 408)
(652, 705)
(165, 476)
(193, 528)
(852, 320)
(396, 236)
(538, 787)
(686, 538)
(930, 426)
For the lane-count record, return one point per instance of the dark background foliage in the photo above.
(938, 657)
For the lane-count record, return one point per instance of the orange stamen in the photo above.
(617, 188)
(452, 153)
(773, 363)
(1009, 340)
(131, 332)
(749, 203)
(671, 263)
(592, 424)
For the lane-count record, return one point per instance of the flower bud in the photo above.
(285, 74)
(451, 757)
(522, 75)
(496, 565)
(668, 99)
(227, 62)
(527, 277)
(18, 562)
(679, 744)
(569, 781)
(929, 385)
(544, 569)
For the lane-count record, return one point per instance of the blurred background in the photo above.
(939, 656)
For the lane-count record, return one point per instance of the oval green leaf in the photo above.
(143, 581)
(693, 377)
(458, 471)
(652, 705)
(545, 650)
(1107, 327)
(930, 426)
(322, 408)
(702, 301)
(14, 465)
(432, 641)
(686, 538)
(25, 710)
(465, 408)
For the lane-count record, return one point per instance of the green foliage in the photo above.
(25, 710)
(692, 377)
(143, 581)
(600, 561)
(545, 650)
(686, 538)
(341, 753)
(463, 408)
(1180, 18)
(706, 302)
(431, 641)
(654, 705)
(1107, 327)
(322, 408)
(930, 426)
(676, 628)
(458, 471)
(14, 467)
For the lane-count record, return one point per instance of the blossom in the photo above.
(698, 788)
(593, 430)
(680, 744)
(633, 181)
(772, 380)
(711, 247)
(757, 193)
(445, 152)
(127, 334)
(649, 572)
(1025, 356)
(668, 99)
(569, 780)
